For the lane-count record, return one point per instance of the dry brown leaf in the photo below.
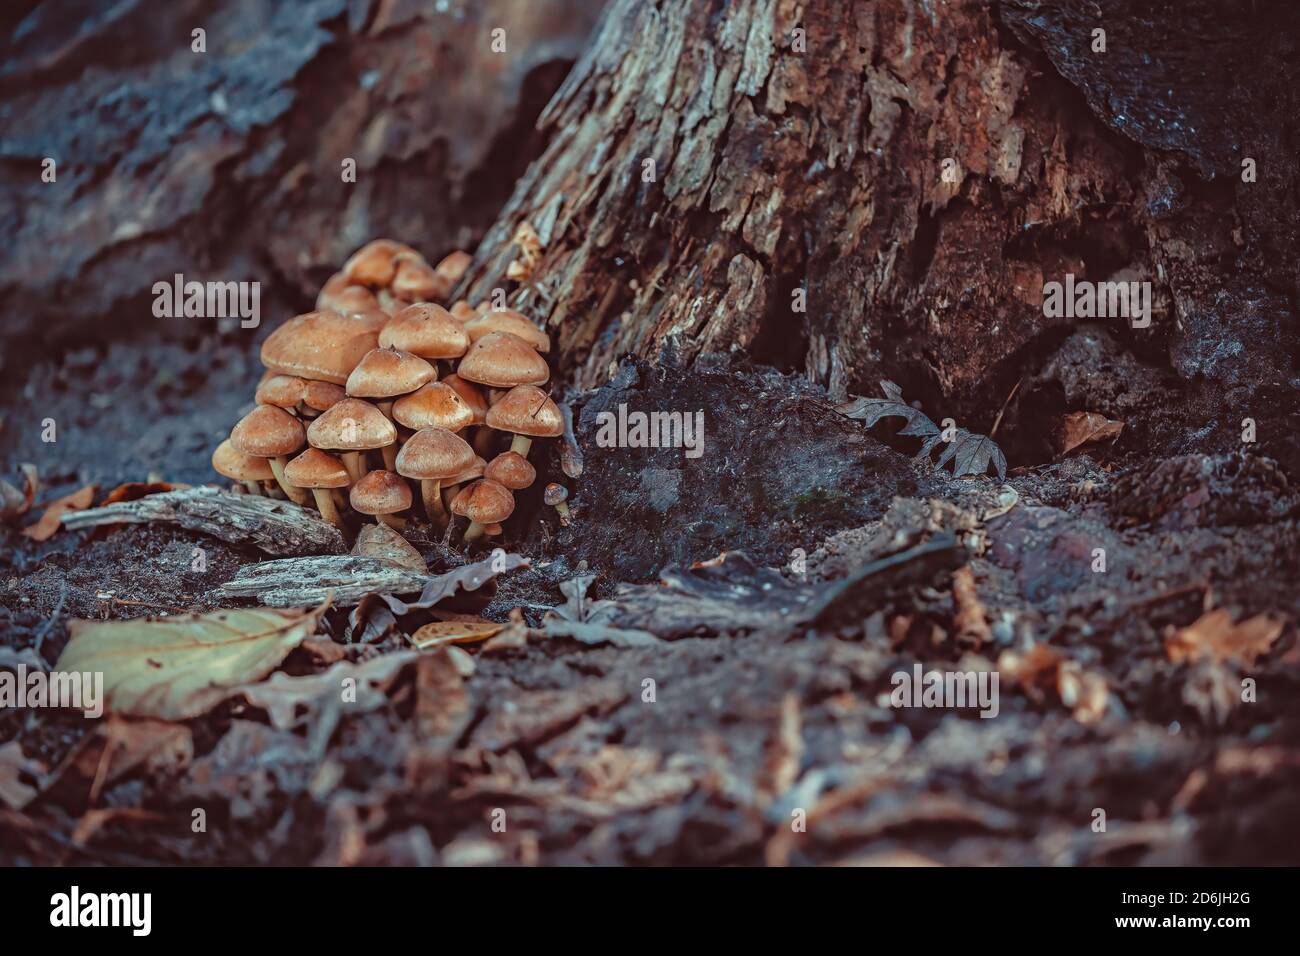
(13, 767)
(1043, 669)
(95, 820)
(384, 544)
(49, 522)
(180, 667)
(439, 633)
(971, 622)
(282, 695)
(134, 490)
(1082, 428)
(1214, 635)
(115, 748)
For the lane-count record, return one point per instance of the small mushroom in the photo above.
(433, 405)
(382, 494)
(511, 470)
(374, 263)
(320, 472)
(271, 433)
(478, 404)
(510, 321)
(484, 502)
(352, 426)
(529, 413)
(503, 360)
(340, 295)
(453, 266)
(324, 346)
(430, 456)
(462, 311)
(415, 280)
(243, 468)
(557, 496)
(305, 397)
(469, 474)
(426, 330)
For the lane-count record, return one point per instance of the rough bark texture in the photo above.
(276, 527)
(226, 165)
(776, 170)
(300, 583)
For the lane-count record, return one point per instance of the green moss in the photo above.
(821, 504)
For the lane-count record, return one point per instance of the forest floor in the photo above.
(1124, 732)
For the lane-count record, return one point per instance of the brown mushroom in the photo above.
(325, 346)
(426, 330)
(529, 413)
(469, 474)
(430, 456)
(433, 405)
(510, 321)
(373, 264)
(300, 395)
(511, 470)
(462, 311)
(503, 360)
(384, 374)
(478, 404)
(340, 295)
(415, 280)
(271, 433)
(485, 502)
(382, 494)
(320, 472)
(453, 266)
(557, 496)
(249, 470)
(352, 426)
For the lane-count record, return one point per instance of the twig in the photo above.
(1002, 411)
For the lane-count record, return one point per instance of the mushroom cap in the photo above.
(267, 432)
(434, 405)
(373, 263)
(426, 330)
(526, 410)
(511, 470)
(462, 311)
(383, 373)
(508, 321)
(416, 280)
(555, 493)
(373, 318)
(485, 502)
(351, 425)
(228, 461)
(434, 453)
(315, 469)
(321, 395)
(471, 395)
(324, 345)
(282, 391)
(469, 474)
(380, 493)
(340, 295)
(503, 360)
(453, 265)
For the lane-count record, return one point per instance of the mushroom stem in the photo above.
(340, 500)
(520, 445)
(565, 516)
(352, 463)
(433, 507)
(252, 488)
(448, 493)
(390, 457)
(475, 530)
(397, 524)
(325, 502)
(296, 495)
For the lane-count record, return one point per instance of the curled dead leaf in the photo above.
(49, 522)
(1214, 636)
(1083, 428)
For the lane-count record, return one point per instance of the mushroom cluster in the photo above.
(369, 400)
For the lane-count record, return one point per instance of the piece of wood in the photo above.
(276, 527)
(303, 582)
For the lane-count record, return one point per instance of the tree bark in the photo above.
(789, 164)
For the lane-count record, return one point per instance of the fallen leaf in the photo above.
(95, 820)
(180, 667)
(1214, 635)
(15, 503)
(1082, 428)
(114, 749)
(282, 695)
(13, 768)
(970, 622)
(439, 633)
(49, 522)
(971, 454)
(384, 544)
(134, 490)
(871, 410)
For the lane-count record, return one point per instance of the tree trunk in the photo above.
(711, 165)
